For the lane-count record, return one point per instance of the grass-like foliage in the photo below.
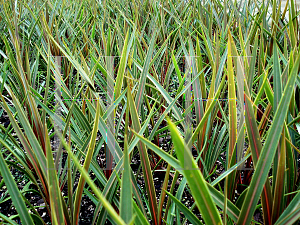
(149, 112)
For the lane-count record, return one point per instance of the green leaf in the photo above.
(142, 80)
(126, 187)
(292, 213)
(55, 196)
(176, 68)
(195, 179)
(86, 166)
(278, 203)
(187, 213)
(256, 147)
(114, 215)
(268, 152)
(122, 66)
(277, 78)
(14, 193)
(148, 177)
(167, 157)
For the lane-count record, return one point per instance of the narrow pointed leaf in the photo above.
(268, 152)
(195, 179)
(126, 192)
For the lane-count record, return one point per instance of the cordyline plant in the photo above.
(154, 112)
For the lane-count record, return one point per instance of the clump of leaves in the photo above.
(158, 112)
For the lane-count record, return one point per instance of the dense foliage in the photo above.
(149, 112)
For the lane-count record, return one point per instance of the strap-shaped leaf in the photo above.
(126, 187)
(187, 212)
(195, 179)
(148, 177)
(268, 152)
(14, 193)
(86, 166)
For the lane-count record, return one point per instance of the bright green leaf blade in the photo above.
(195, 179)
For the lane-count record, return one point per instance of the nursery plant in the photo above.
(149, 112)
